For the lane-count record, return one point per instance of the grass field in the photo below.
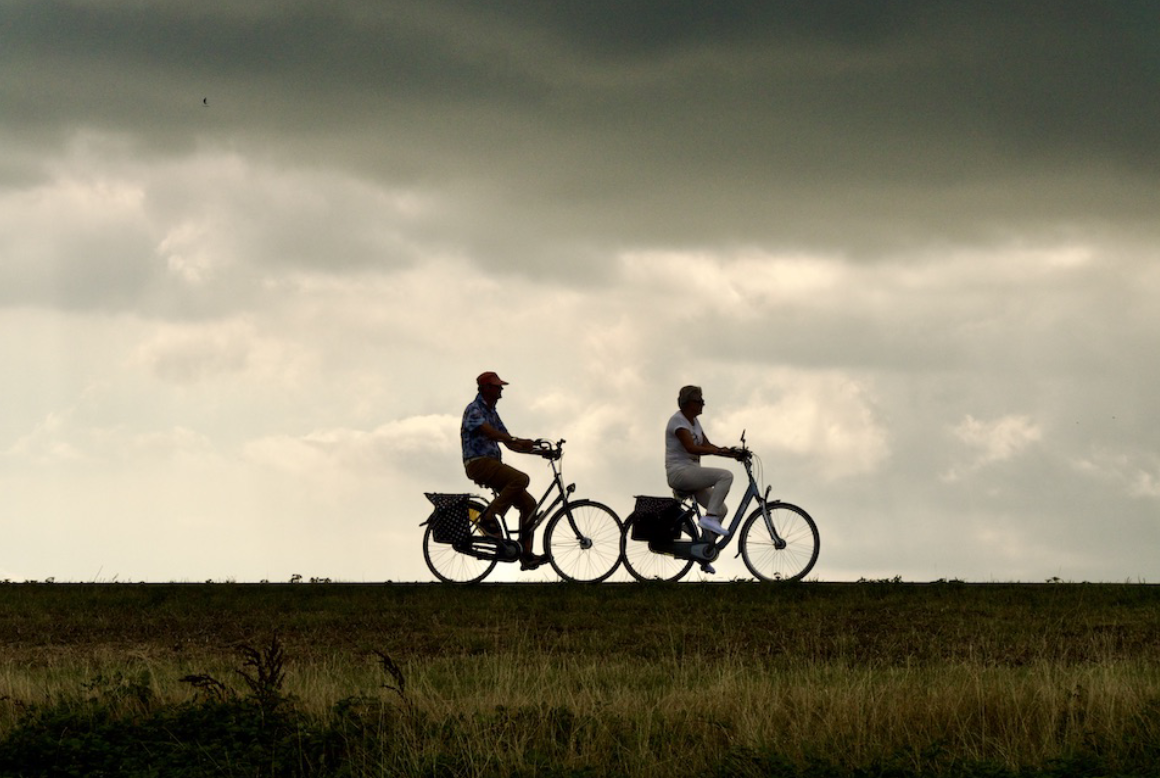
(652, 680)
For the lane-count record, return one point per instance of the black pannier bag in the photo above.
(449, 521)
(656, 520)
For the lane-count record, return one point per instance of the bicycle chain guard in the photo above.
(697, 550)
(489, 548)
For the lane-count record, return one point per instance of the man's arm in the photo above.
(522, 445)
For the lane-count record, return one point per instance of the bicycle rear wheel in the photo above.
(585, 549)
(451, 566)
(762, 554)
(647, 565)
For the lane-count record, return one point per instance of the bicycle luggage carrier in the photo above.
(656, 520)
(449, 521)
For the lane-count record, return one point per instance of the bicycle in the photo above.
(778, 541)
(581, 537)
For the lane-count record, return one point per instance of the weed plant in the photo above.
(735, 679)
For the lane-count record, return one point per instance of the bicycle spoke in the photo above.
(770, 560)
(451, 566)
(647, 565)
(583, 542)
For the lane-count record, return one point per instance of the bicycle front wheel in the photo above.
(449, 565)
(771, 560)
(583, 541)
(647, 565)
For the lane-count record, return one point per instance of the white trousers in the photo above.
(710, 485)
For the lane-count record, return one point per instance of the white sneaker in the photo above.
(712, 524)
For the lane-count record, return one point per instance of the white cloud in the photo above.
(74, 240)
(190, 354)
(43, 445)
(739, 283)
(187, 354)
(990, 442)
(1132, 472)
(69, 437)
(186, 254)
(358, 454)
(828, 421)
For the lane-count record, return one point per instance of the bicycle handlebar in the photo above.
(741, 453)
(547, 449)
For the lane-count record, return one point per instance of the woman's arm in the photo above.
(701, 449)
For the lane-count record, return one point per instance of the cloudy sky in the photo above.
(252, 256)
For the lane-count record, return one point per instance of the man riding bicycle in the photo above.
(481, 433)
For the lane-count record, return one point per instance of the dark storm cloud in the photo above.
(1078, 72)
(844, 126)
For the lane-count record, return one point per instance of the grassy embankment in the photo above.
(744, 678)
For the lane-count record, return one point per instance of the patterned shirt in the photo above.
(475, 443)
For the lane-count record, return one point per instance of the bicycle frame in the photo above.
(752, 492)
(779, 541)
(553, 453)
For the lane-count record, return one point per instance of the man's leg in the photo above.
(512, 488)
(526, 504)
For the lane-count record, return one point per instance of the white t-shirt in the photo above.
(676, 455)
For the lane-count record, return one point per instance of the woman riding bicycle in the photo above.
(685, 444)
(481, 433)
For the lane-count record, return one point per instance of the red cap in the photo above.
(490, 379)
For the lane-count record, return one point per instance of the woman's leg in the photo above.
(710, 484)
